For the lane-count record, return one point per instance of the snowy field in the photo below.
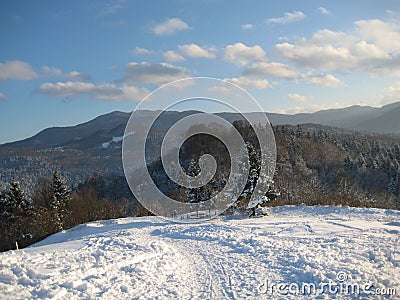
(319, 252)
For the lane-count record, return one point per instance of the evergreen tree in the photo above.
(193, 194)
(2, 203)
(15, 200)
(16, 212)
(199, 194)
(254, 171)
(61, 198)
(270, 195)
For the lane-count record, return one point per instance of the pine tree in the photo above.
(15, 200)
(199, 194)
(254, 171)
(193, 194)
(16, 212)
(270, 195)
(59, 205)
(2, 203)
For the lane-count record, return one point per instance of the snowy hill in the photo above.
(149, 258)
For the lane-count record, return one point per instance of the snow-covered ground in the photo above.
(294, 249)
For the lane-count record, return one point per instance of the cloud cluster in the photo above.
(288, 17)
(374, 47)
(173, 56)
(170, 26)
(141, 51)
(153, 73)
(249, 83)
(271, 69)
(191, 51)
(325, 80)
(135, 73)
(241, 55)
(391, 93)
(17, 70)
(104, 91)
(314, 107)
(297, 98)
(73, 75)
(247, 26)
(195, 51)
(323, 10)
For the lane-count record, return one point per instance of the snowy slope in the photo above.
(150, 258)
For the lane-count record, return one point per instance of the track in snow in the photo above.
(149, 258)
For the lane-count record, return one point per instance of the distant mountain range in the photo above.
(101, 130)
(385, 119)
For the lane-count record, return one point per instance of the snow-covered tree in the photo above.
(254, 171)
(61, 197)
(16, 210)
(15, 201)
(270, 195)
(193, 194)
(3, 203)
(198, 194)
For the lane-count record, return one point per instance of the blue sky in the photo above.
(65, 62)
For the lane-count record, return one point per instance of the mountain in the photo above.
(95, 146)
(228, 258)
(363, 118)
(103, 128)
(384, 122)
(56, 136)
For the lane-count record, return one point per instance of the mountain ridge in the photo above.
(382, 120)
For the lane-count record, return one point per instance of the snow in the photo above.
(115, 139)
(255, 202)
(225, 258)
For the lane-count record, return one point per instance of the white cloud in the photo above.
(323, 10)
(391, 94)
(326, 80)
(195, 51)
(170, 26)
(104, 91)
(313, 108)
(128, 93)
(288, 17)
(75, 75)
(17, 70)
(271, 69)
(220, 89)
(2, 96)
(297, 98)
(247, 26)
(52, 71)
(140, 51)
(373, 47)
(172, 56)
(155, 74)
(385, 35)
(317, 57)
(249, 83)
(326, 37)
(241, 55)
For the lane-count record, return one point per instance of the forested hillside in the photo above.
(315, 165)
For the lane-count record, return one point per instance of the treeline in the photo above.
(54, 207)
(328, 166)
(316, 165)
